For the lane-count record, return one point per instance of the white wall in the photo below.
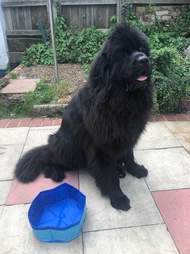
(3, 42)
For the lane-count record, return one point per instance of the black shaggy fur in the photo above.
(103, 122)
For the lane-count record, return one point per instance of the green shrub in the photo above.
(181, 25)
(171, 75)
(65, 42)
(170, 90)
(171, 78)
(38, 54)
(88, 43)
(72, 46)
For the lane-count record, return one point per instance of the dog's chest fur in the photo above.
(129, 113)
(115, 122)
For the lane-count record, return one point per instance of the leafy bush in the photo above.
(171, 74)
(169, 91)
(65, 42)
(38, 54)
(88, 43)
(72, 46)
(181, 25)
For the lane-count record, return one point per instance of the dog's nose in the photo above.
(142, 59)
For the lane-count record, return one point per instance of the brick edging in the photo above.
(39, 122)
(29, 122)
(170, 117)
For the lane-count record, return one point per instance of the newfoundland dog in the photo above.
(103, 122)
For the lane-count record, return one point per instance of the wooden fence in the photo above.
(23, 17)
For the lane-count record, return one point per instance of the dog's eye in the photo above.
(142, 49)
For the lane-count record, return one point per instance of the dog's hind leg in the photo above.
(66, 155)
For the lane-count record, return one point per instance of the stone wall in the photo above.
(163, 12)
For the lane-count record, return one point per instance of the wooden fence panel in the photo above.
(87, 15)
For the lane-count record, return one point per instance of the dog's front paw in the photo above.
(138, 171)
(121, 202)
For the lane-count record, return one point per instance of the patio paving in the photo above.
(168, 168)
(101, 215)
(157, 223)
(17, 86)
(157, 135)
(9, 155)
(149, 239)
(16, 236)
(174, 206)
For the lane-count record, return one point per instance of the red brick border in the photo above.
(171, 117)
(29, 122)
(37, 122)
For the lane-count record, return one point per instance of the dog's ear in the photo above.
(99, 73)
(106, 68)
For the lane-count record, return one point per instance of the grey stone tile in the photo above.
(1, 211)
(13, 135)
(9, 156)
(148, 240)
(178, 126)
(184, 139)
(101, 215)
(16, 235)
(38, 137)
(4, 189)
(51, 127)
(168, 168)
(156, 135)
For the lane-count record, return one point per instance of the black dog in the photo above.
(103, 122)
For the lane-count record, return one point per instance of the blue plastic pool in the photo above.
(57, 215)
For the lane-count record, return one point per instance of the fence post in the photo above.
(119, 11)
(51, 19)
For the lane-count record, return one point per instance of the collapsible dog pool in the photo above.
(57, 215)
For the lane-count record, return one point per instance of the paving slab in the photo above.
(38, 137)
(17, 86)
(178, 126)
(1, 211)
(156, 135)
(184, 139)
(4, 189)
(168, 168)
(21, 193)
(181, 130)
(50, 127)
(13, 135)
(16, 235)
(9, 155)
(101, 215)
(175, 207)
(149, 240)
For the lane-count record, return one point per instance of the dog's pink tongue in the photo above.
(142, 78)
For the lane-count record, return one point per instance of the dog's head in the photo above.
(123, 61)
